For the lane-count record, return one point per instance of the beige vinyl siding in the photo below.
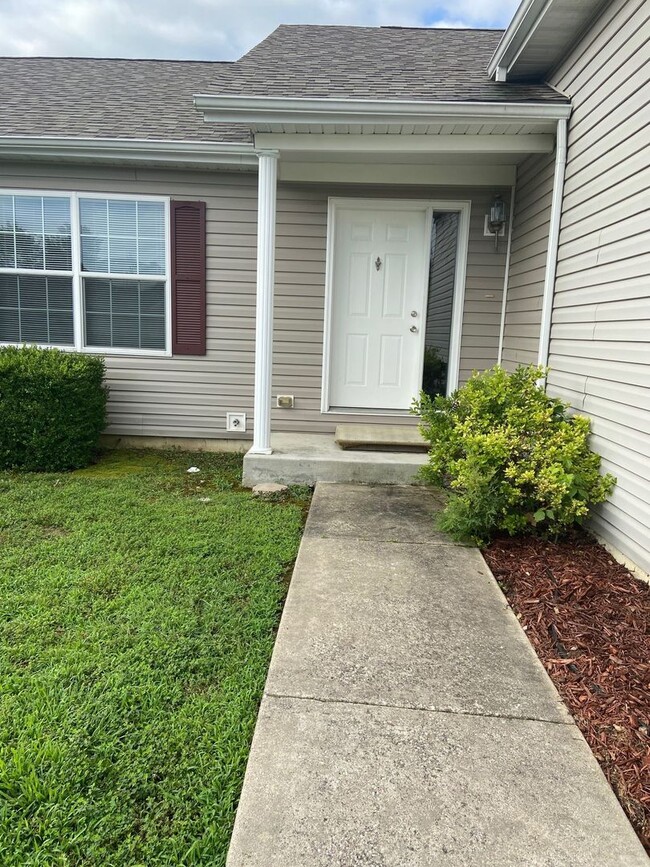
(528, 251)
(600, 334)
(300, 297)
(184, 396)
(188, 396)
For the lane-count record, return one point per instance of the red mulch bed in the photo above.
(588, 619)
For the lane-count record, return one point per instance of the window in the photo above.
(36, 279)
(84, 271)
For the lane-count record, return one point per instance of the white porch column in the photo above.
(266, 196)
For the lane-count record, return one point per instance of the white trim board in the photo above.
(269, 109)
(188, 153)
(386, 143)
(397, 173)
(463, 208)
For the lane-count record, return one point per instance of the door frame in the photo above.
(428, 206)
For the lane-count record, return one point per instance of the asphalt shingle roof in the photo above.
(377, 63)
(152, 99)
(98, 98)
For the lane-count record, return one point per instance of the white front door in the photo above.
(379, 275)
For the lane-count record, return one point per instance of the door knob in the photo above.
(414, 313)
(414, 329)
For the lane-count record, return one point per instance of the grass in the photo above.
(138, 608)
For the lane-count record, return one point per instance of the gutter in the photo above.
(130, 150)
(553, 243)
(279, 110)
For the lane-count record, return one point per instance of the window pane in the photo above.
(7, 258)
(59, 293)
(94, 216)
(58, 253)
(151, 257)
(36, 309)
(129, 314)
(56, 214)
(7, 213)
(123, 236)
(94, 254)
(29, 251)
(151, 219)
(123, 257)
(9, 326)
(121, 218)
(34, 249)
(33, 293)
(29, 214)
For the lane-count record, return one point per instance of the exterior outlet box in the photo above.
(486, 229)
(236, 422)
(285, 401)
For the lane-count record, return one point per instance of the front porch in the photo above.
(304, 459)
(378, 263)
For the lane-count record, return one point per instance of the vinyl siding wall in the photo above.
(185, 396)
(528, 250)
(600, 335)
(189, 396)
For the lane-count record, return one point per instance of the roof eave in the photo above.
(517, 34)
(129, 150)
(252, 110)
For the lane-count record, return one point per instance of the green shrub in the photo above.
(52, 408)
(512, 457)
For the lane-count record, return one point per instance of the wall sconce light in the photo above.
(497, 218)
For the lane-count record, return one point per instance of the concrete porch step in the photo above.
(304, 459)
(381, 437)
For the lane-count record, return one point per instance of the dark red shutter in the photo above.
(188, 277)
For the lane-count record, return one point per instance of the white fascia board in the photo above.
(382, 143)
(523, 24)
(279, 110)
(129, 150)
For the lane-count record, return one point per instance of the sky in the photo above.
(208, 29)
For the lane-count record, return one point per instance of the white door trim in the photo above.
(463, 208)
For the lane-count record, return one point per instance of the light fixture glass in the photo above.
(497, 218)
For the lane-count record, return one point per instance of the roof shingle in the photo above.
(152, 99)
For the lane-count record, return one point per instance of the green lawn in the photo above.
(138, 608)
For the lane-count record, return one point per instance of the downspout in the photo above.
(553, 243)
(506, 277)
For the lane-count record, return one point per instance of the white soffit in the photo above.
(539, 35)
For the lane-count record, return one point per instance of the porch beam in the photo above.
(266, 208)
(408, 144)
(404, 174)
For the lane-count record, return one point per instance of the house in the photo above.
(302, 238)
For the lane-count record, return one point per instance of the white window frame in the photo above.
(78, 275)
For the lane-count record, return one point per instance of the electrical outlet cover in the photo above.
(236, 422)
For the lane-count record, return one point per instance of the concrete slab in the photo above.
(304, 459)
(385, 514)
(340, 785)
(378, 436)
(408, 625)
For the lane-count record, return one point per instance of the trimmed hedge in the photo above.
(52, 408)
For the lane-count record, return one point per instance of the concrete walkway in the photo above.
(406, 720)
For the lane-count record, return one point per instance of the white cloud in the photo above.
(207, 29)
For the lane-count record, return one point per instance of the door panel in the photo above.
(378, 283)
